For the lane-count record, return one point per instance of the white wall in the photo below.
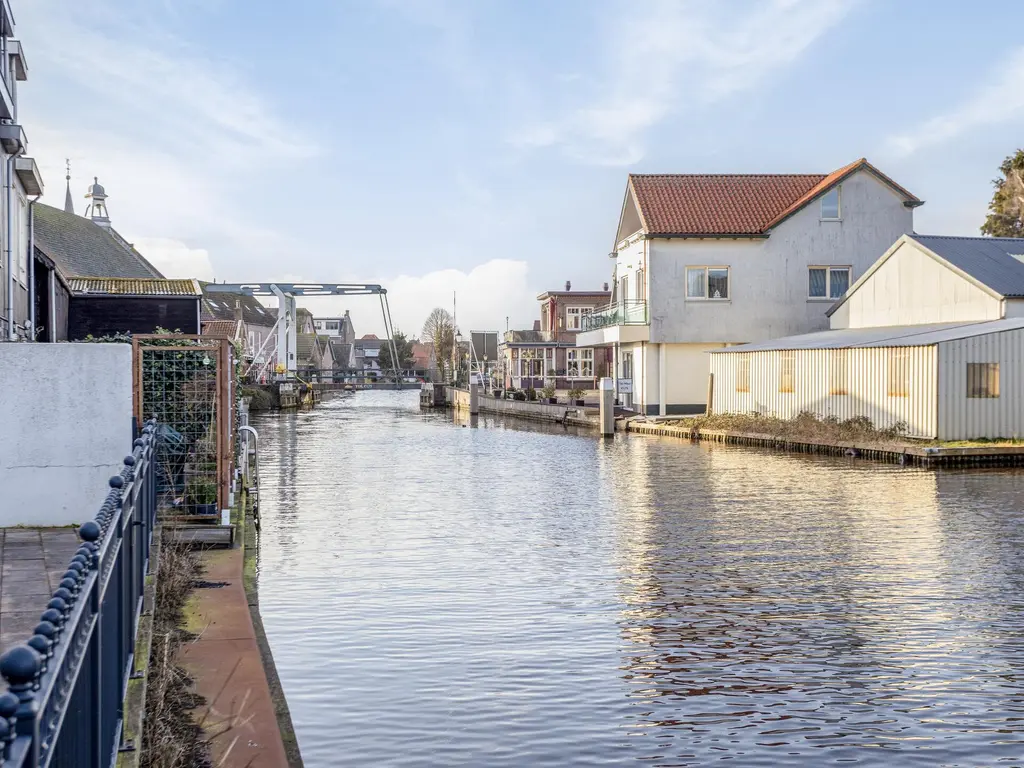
(769, 277)
(963, 418)
(867, 386)
(910, 288)
(66, 416)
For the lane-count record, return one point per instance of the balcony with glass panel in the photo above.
(623, 321)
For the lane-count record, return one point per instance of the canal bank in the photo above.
(440, 590)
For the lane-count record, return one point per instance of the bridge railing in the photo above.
(64, 704)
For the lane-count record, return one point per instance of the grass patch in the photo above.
(806, 426)
(171, 738)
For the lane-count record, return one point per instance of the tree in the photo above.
(439, 330)
(405, 359)
(1006, 211)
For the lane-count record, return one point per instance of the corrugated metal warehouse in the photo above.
(948, 381)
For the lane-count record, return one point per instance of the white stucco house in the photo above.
(930, 336)
(706, 261)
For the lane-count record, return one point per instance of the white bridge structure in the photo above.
(286, 320)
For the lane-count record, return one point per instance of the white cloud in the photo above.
(670, 55)
(182, 142)
(496, 289)
(175, 259)
(997, 101)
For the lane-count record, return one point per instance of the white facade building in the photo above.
(931, 336)
(706, 261)
(20, 183)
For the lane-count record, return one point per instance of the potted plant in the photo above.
(549, 394)
(531, 394)
(202, 496)
(519, 395)
(576, 396)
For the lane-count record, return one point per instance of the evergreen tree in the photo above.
(405, 359)
(1006, 211)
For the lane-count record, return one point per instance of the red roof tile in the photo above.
(732, 204)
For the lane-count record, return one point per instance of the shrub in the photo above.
(576, 393)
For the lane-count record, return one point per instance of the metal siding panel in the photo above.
(963, 418)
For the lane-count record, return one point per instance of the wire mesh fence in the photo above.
(184, 382)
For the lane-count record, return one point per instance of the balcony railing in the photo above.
(623, 313)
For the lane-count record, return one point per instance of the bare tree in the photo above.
(439, 329)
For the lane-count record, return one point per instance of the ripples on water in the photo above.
(508, 595)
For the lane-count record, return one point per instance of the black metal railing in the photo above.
(67, 683)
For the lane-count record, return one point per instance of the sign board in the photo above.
(287, 387)
(624, 386)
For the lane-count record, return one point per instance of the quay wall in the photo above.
(561, 413)
(66, 411)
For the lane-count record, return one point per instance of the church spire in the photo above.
(69, 205)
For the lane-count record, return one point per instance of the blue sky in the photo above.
(482, 146)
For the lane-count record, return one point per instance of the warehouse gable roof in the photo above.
(995, 264)
(883, 336)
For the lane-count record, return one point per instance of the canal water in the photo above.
(443, 594)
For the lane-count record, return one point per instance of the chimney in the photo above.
(568, 286)
(605, 289)
(238, 310)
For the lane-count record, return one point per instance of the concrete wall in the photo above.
(66, 416)
(911, 287)
(768, 279)
(459, 398)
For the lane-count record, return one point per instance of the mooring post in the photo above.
(606, 390)
(474, 398)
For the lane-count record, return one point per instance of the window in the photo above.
(707, 283)
(899, 372)
(579, 363)
(827, 282)
(318, 325)
(838, 372)
(743, 372)
(640, 285)
(787, 368)
(531, 362)
(252, 339)
(624, 289)
(332, 325)
(983, 379)
(21, 238)
(574, 317)
(830, 205)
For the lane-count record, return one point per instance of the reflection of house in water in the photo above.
(777, 583)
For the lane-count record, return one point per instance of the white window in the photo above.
(710, 283)
(574, 317)
(830, 205)
(827, 282)
(624, 289)
(743, 372)
(579, 363)
(899, 372)
(838, 375)
(531, 362)
(252, 339)
(983, 379)
(318, 325)
(332, 325)
(641, 286)
(787, 371)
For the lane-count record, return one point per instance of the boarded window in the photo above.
(899, 372)
(983, 379)
(743, 373)
(838, 372)
(786, 370)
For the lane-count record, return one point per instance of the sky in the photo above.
(481, 147)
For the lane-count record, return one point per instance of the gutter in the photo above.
(32, 266)
(8, 189)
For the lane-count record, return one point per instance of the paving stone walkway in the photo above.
(32, 563)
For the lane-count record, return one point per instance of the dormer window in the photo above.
(830, 205)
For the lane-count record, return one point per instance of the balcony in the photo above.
(12, 138)
(616, 323)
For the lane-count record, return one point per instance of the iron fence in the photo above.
(67, 683)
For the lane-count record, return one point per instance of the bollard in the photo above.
(474, 399)
(606, 391)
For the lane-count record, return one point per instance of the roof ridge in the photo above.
(987, 238)
(729, 175)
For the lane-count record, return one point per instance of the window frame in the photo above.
(898, 372)
(838, 189)
(828, 280)
(984, 375)
(21, 236)
(787, 371)
(706, 270)
(743, 372)
(578, 312)
(839, 360)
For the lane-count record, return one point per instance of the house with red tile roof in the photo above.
(705, 261)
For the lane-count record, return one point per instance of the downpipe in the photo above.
(8, 193)
(32, 269)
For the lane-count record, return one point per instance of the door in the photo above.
(626, 372)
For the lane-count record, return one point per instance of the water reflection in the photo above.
(439, 592)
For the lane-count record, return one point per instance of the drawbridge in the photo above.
(286, 325)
